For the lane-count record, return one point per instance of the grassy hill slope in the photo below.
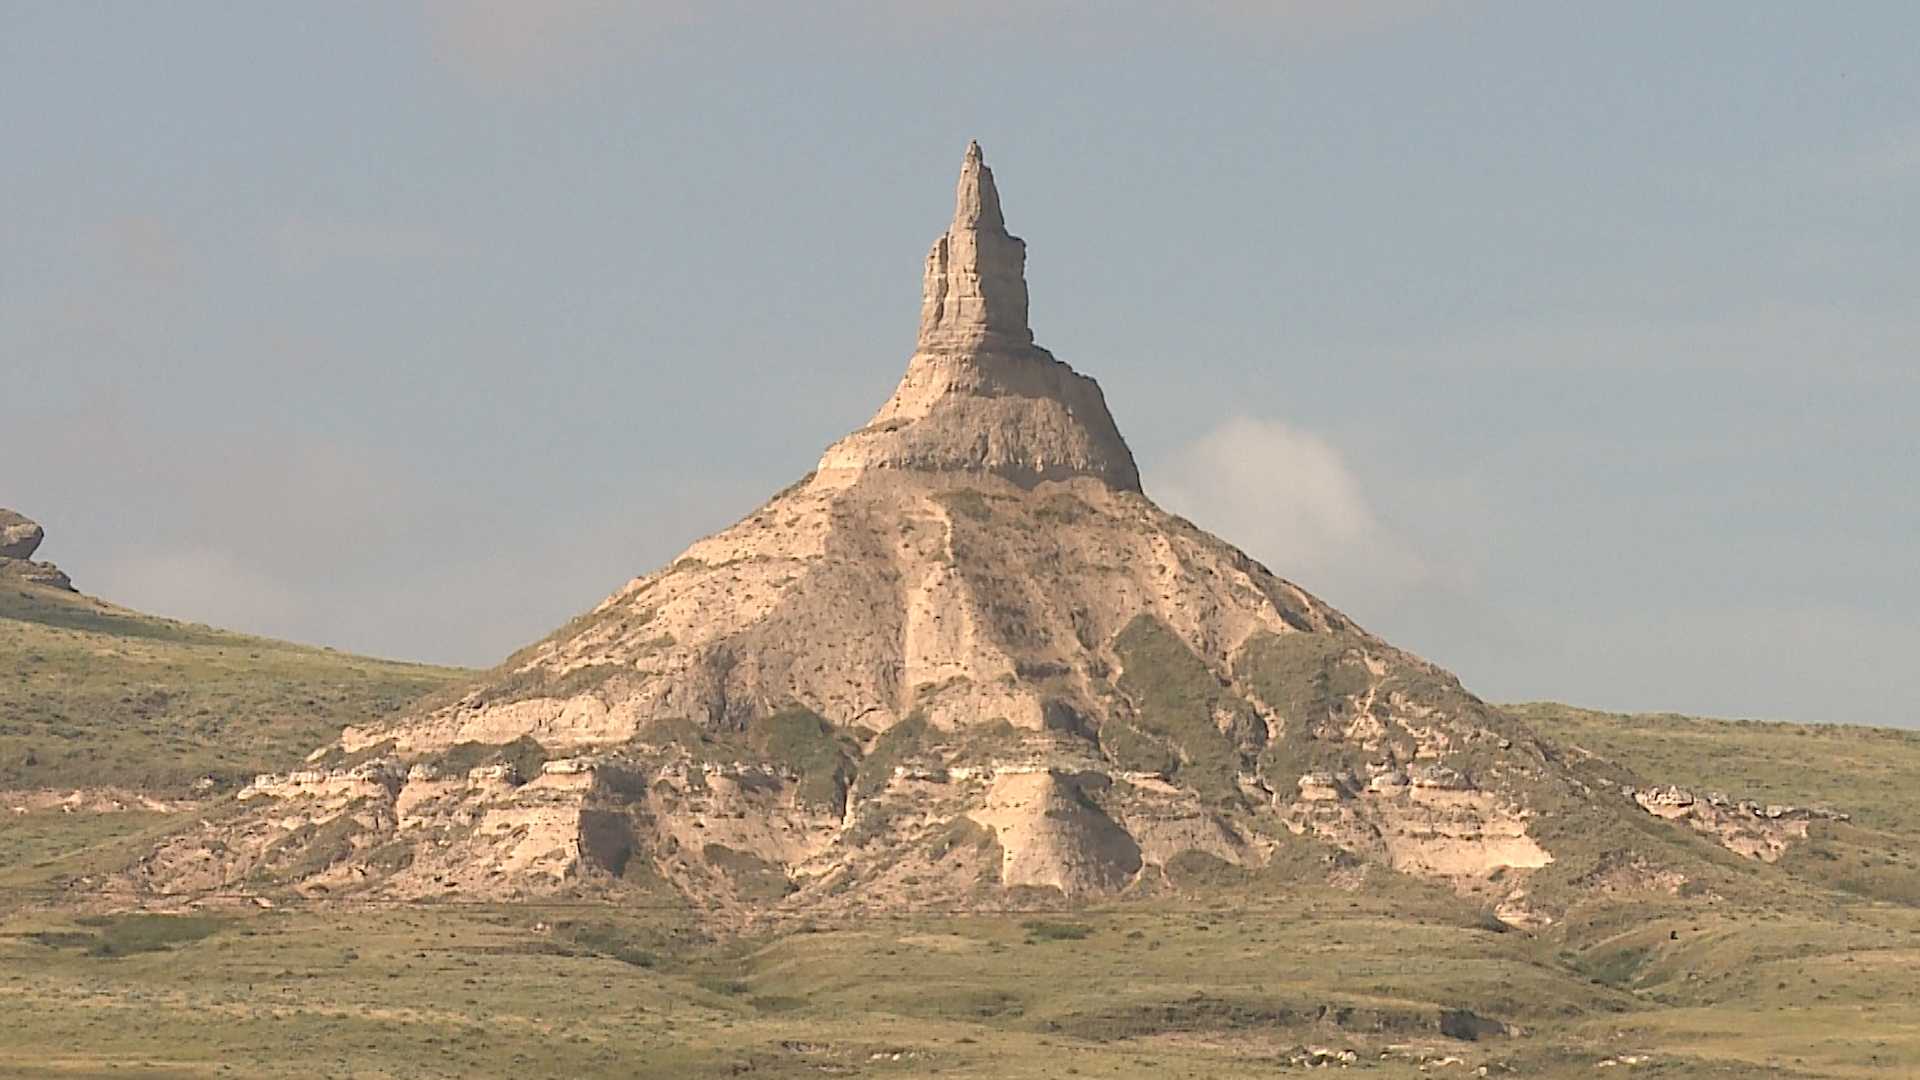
(93, 695)
(1866, 771)
(1871, 774)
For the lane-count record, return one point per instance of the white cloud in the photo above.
(1289, 498)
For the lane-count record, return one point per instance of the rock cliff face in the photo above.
(966, 657)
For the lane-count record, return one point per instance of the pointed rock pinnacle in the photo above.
(975, 291)
(979, 396)
(977, 203)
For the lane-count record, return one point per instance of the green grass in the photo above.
(753, 879)
(822, 758)
(1174, 698)
(1305, 678)
(1050, 930)
(1137, 991)
(39, 847)
(894, 747)
(95, 695)
(1867, 773)
(1302, 675)
(125, 935)
(625, 940)
(504, 685)
(1227, 975)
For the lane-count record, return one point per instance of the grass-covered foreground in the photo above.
(1165, 990)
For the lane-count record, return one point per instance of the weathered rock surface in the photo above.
(20, 537)
(965, 658)
(975, 291)
(1756, 830)
(979, 395)
(1052, 835)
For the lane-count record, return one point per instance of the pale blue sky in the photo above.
(1571, 345)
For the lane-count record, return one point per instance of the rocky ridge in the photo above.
(1761, 831)
(965, 659)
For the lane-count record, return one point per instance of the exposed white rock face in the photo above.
(1053, 836)
(979, 395)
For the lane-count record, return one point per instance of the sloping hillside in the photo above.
(97, 696)
(1869, 774)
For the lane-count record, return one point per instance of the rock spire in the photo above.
(979, 395)
(975, 292)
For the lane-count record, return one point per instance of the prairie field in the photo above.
(1155, 989)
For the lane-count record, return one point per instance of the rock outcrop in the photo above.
(965, 658)
(20, 537)
(1761, 831)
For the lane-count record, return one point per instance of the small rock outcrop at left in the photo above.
(20, 537)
